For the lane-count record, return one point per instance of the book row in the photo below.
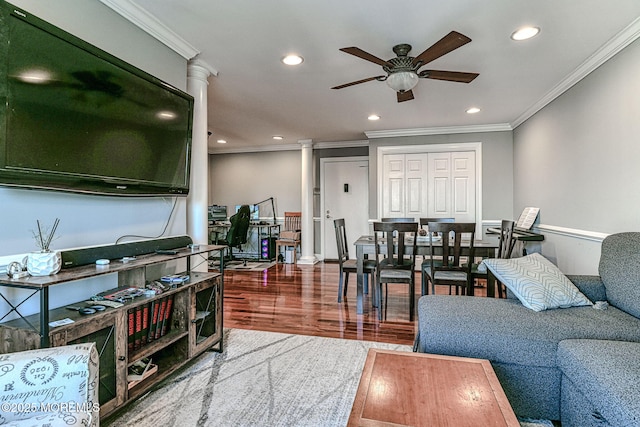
(149, 322)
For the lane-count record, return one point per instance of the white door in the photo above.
(452, 191)
(394, 185)
(345, 194)
(416, 184)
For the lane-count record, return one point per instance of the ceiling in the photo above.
(255, 96)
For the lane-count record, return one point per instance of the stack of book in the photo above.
(140, 370)
(149, 322)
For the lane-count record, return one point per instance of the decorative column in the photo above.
(308, 256)
(197, 201)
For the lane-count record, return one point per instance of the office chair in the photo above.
(238, 231)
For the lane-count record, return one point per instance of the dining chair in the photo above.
(290, 234)
(452, 269)
(505, 249)
(424, 222)
(350, 265)
(395, 260)
(407, 219)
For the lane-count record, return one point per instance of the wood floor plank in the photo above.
(303, 300)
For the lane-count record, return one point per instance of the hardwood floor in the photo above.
(304, 300)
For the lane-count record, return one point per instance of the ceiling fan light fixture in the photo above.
(402, 81)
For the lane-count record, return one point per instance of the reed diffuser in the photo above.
(45, 261)
(44, 236)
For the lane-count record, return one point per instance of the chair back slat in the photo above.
(452, 234)
(507, 240)
(392, 238)
(341, 240)
(292, 221)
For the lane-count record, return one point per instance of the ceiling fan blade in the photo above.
(452, 76)
(448, 43)
(364, 55)
(407, 95)
(358, 82)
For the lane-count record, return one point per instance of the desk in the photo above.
(254, 246)
(365, 245)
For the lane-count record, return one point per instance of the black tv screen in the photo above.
(79, 119)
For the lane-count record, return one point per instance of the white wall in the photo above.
(577, 159)
(90, 220)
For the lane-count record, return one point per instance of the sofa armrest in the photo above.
(591, 286)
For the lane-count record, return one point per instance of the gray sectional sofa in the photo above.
(580, 365)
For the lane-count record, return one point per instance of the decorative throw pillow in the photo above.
(537, 282)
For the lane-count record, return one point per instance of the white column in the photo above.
(308, 256)
(197, 201)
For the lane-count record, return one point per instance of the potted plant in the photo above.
(45, 261)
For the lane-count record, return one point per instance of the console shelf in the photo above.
(192, 325)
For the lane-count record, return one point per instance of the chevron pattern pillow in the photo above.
(537, 282)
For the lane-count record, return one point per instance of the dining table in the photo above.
(366, 245)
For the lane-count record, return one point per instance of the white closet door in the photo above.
(393, 185)
(463, 194)
(416, 185)
(436, 184)
(439, 188)
(452, 185)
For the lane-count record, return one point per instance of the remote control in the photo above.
(166, 252)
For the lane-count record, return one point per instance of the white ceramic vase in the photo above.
(44, 263)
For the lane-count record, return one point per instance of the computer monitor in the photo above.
(255, 212)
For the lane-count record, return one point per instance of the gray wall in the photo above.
(577, 159)
(247, 178)
(92, 220)
(497, 168)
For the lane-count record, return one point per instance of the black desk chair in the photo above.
(238, 231)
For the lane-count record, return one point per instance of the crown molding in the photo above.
(498, 127)
(152, 26)
(602, 55)
(340, 144)
(289, 147)
(256, 149)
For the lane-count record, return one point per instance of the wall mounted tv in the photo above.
(78, 119)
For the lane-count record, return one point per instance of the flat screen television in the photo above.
(78, 119)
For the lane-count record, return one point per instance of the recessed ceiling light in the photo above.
(293, 60)
(166, 115)
(277, 137)
(35, 76)
(525, 33)
(374, 117)
(473, 110)
(221, 141)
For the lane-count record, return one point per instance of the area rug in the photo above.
(261, 379)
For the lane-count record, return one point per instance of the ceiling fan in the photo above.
(403, 71)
